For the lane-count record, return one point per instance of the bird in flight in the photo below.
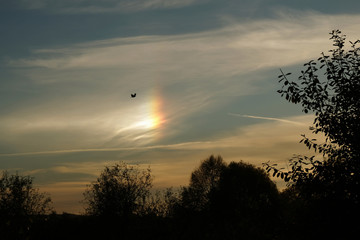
(133, 95)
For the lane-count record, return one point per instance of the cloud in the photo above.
(257, 134)
(195, 73)
(232, 50)
(220, 62)
(104, 6)
(260, 134)
(171, 164)
(234, 54)
(184, 145)
(267, 118)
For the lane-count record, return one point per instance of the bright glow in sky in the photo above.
(205, 73)
(156, 117)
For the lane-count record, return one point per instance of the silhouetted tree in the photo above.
(202, 181)
(336, 103)
(18, 197)
(121, 190)
(329, 186)
(162, 203)
(228, 202)
(245, 201)
(19, 203)
(243, 189)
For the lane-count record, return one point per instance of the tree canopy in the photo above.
(225, 200)
(334, 98)
(120, 190)
(18, 197)
(202, 181)
(335, 101)
(20, 204)
(244, 190)
(327, 188)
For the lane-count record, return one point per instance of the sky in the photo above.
(205, 73)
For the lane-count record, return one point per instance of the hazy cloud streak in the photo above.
(267, 118)
(232, 50)
(184, 145)
(104, 6)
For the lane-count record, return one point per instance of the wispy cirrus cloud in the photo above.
(184, 145)
(236, 48)
(191, 69)
(267, 118)
(255, 134)
(104, 6)
(171, 164)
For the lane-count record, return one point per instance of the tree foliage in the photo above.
(120, 190)
(246, 200)
(18, 197)
(20, 205)
(227, 200)
(328, 87)
(243, 190)
(202, 181)
(162, 203)
(334, 99)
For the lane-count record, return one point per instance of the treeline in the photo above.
(225, 201)
(222, 201)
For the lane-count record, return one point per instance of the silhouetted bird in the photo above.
(133, 95)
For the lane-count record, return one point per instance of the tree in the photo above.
(335, 99)
(18, 197)
(227, 201)
(121, 190)
(329, 186)
(202, 181)
(335, 102)
(245, 201)
(244, 189)
(20, 204)
(162, 203)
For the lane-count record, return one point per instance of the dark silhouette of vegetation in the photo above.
(327, 189)
(20, 202)
(228, 202)
(245, 200)
(162, 203)
(121, 190)
(203, 180)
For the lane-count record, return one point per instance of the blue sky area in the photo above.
(205, 73)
